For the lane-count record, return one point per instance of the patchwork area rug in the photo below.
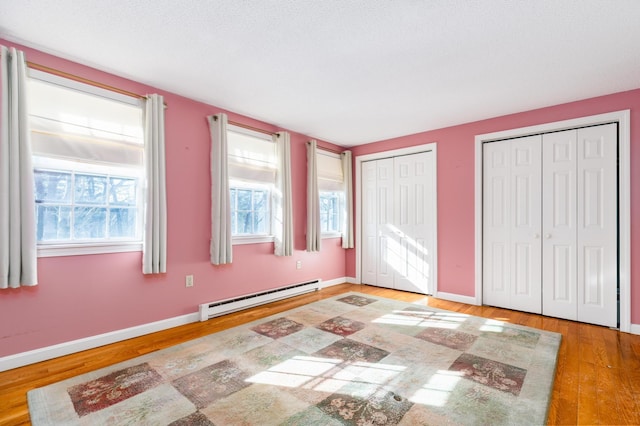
(353, 359)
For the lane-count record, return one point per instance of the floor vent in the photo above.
(215, 309)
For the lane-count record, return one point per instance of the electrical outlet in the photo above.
(299, 264)
(188, 281)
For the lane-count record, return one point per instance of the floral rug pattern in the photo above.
(349, 360)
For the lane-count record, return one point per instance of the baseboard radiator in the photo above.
(222, 307)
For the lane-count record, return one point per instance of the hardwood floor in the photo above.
(597, 378)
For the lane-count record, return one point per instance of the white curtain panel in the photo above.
(154, 249)
(283, 226)
(18, 251)
(221, 244)
(347, 237)
(313, 199)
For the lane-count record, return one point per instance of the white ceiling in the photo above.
(349, 71)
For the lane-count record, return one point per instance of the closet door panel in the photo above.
(369, 224)
(559, 224)
(497, 224)
(597, 225)
(412, 229)
(388, 254)
(526, 213)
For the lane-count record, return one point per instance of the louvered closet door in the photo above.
(512, 224)
(580, 225)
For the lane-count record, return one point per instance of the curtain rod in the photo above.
(59, 73)
(255, 129)
(246, 126)
(335, 151)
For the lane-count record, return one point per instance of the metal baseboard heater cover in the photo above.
(223, 307)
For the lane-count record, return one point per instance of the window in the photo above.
(88, 149)
(252, 179)
(330, 187)
(331, 211)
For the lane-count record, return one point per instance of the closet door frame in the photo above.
(624, 190)
(434, 213)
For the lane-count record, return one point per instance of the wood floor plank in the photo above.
(597, 376)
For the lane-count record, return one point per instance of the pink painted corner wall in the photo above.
(82, 296)
(456, 156)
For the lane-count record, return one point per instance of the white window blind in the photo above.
(252, 156)
(72, 125)
(330, 176)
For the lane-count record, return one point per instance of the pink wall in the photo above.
(81, 296)
(456, 151)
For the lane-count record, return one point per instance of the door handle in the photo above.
(536, 235)
(547, 236)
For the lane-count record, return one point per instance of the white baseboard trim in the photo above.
(335, 281)
(469, 300)
(634, 329)
(42, 354)
(352, 280)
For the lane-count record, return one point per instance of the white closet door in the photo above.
(412, 246)
(559, 225)
(369, 219)
(387, 256)
(580, 225)
(398, 222)
(512, 261)
(597, 242)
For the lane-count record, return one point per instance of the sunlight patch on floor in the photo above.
(436, 392)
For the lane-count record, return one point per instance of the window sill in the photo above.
(331, 235)
(56, 250)
(252, 239)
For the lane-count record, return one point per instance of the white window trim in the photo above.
(326, 235)
(252, 239)
(76, 249)
(84, 248)
(340, 233)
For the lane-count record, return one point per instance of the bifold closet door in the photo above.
(413, 220)
(398, 223)
(580, 225)
(377, 215)
(512, 263)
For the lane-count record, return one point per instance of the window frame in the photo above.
(90, 246)
(342, 207)
(341, 216)
(242, 239)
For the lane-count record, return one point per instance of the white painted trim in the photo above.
(335, 281)
(634, 329)
(45, 250)
(469, 300)
(624, 174)
(353, 280)
(66, 348)
(358, 183)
